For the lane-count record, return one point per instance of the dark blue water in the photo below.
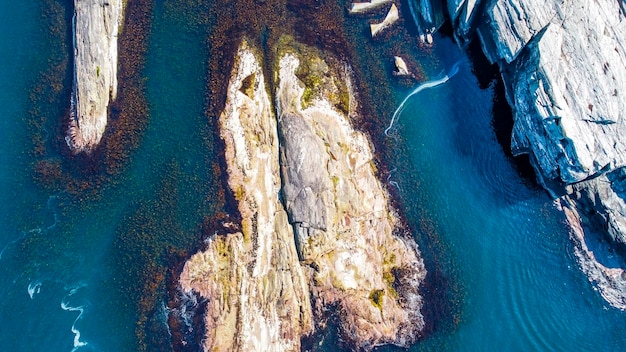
(70, 267)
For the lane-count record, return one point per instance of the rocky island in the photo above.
(318, 236)
(563, 64)
(95, 27)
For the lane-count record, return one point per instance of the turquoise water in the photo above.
(70, 267)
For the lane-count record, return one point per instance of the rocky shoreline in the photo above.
(563, 65)
(316, 230)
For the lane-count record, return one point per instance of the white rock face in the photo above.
(401, 68)
(317, 231)
(564, 65)
(364, 7)
(96, 25)
(258, 291)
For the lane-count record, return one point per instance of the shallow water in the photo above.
(70, 268)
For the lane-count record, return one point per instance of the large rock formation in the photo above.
(564, 67)
(95, 26)
(258, 293)
(328, 232)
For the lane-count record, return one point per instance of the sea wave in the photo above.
(34, 287)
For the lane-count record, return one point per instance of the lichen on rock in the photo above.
(315, 221)
(344, 225)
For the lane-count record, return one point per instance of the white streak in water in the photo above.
(81, 308)
(390, 181)
(34, 288)
(428, 84)
(37, 230)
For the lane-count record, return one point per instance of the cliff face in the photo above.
(564, 67)
(315, 220)
(95, 26)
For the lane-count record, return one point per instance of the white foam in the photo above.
(428, 84)
(37, 230)
(65, 305)
(33, 288)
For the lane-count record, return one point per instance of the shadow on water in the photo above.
(502, 122)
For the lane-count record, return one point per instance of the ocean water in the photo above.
(72, 273)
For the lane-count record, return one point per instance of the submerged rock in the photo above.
(95, 27)
(328, 233)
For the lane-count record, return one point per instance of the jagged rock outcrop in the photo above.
(95, 25)
(401, 67)
(257, 290)
(328, 232)
(564, 68)
(364, 7)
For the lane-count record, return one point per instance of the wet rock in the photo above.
(564, 68)
(401, 67)
(364, 7)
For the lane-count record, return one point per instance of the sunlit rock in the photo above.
(96, 25)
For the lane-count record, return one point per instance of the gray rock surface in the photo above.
(96, 25)
(346, 230)
(303, 183)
